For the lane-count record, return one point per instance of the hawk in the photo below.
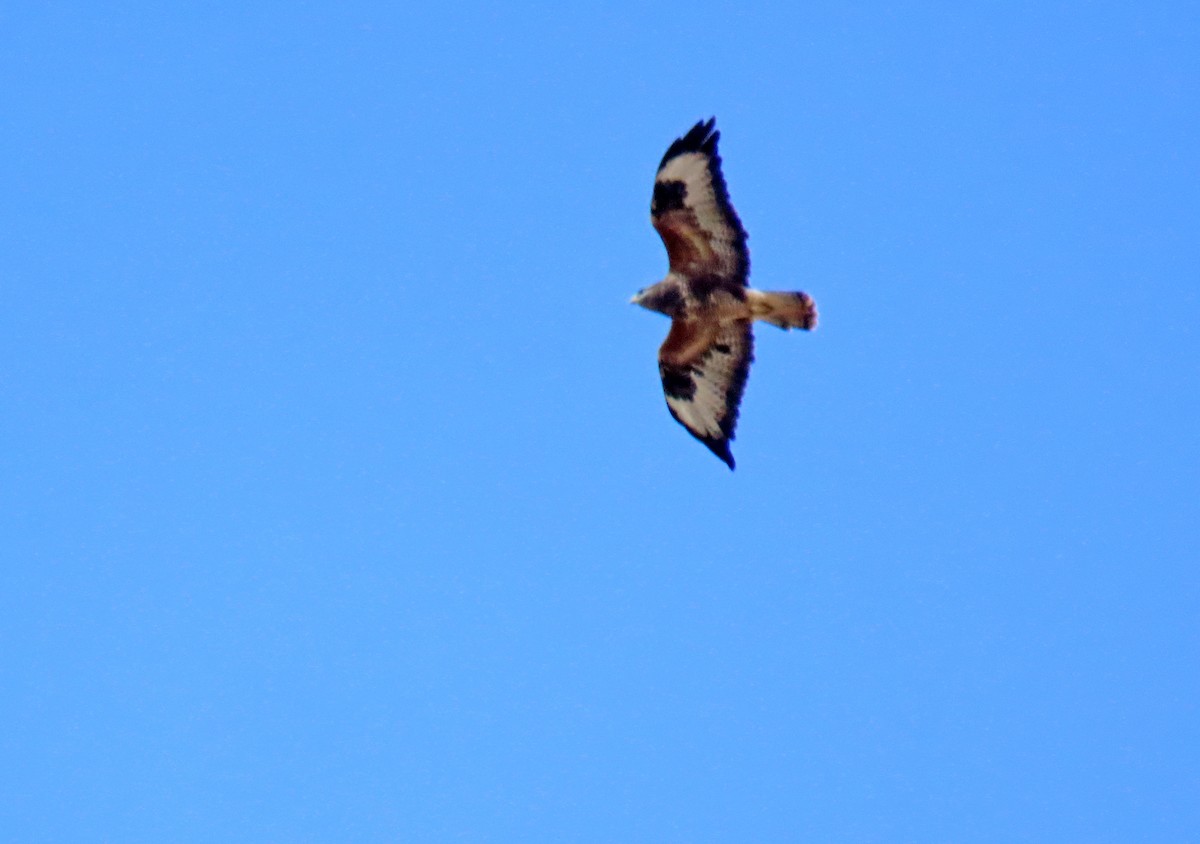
(706, 356)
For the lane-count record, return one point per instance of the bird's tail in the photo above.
(784, 310)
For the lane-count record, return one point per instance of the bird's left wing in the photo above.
(692, 213)
(704, 368)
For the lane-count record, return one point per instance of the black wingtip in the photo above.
(700, 138)
(721, 449)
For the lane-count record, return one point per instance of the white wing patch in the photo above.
(709, 405)
(691, 168)
(700, 198)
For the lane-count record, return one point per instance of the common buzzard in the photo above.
(706, 356)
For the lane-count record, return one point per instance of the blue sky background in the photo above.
(338, 497)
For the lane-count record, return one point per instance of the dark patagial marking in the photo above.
(677, 382)
(668, 196)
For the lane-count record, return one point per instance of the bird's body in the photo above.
(706, 357)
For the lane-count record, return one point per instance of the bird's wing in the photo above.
(691, 209)
(704, 366)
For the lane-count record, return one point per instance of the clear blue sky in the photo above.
(338, 497)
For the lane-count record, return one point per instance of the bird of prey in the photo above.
(706, 356)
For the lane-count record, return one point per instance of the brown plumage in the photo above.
(706, 357)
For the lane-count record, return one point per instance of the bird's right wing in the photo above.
(704, 367)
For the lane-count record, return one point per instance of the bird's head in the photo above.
(663, 297)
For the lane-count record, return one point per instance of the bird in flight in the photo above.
(706, 356)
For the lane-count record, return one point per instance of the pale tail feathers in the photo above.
(783, 310)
